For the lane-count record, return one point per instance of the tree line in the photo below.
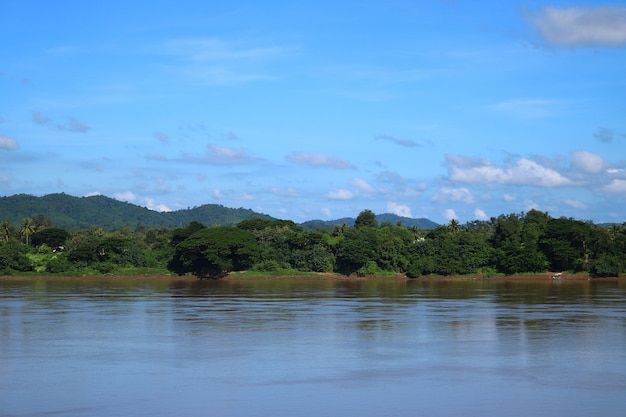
(532, 242)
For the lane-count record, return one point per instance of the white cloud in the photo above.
(125, 196)
(530, 205)
(8, 143)
(521, 172)
(480, 214)
(615, 171)
(326, 211)
(284, 192)
(450, 214)
(575, 204)
(399, 209)
(617, 186)
(5, 181)
(340, 194)
(150, 204)
(581, 26)
(225, 152)
(587, 161)
(217, 194)
(508, 197)
(362, 185)
(460, 195)
(218, 155)
(318, 160)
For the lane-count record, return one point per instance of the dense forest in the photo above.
(79, 213)
(531, 242)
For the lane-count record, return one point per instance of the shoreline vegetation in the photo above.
(526, 246)
(253, 276)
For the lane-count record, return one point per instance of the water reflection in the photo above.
(312, 348)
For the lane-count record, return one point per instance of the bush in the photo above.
(369, 270)
(13, 256)
(606, 266)
(104, 267)
(58, 264)
(269, 266)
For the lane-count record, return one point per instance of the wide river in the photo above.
(312, 348)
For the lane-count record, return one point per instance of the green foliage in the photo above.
(27, 229)
(213, 252)
(80, 213)
(53, 237)
(366, 218)
(607, 266)
(510, 244)
(356, 249)
(179, 235)
(565, 244)
(13, 257)
(421, 223)
(58, 264)
(114, 250)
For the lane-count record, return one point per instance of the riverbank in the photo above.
(314, 277)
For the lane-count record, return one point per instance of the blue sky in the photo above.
(318, 110)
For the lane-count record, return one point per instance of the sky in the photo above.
(444, 109)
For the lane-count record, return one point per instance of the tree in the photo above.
(507, 244)
(565, 244)
(52, 237)
(41, 222)
(213, 252)
(28, 228)
(6, 230)
(366, 218)
(454, 226)
(181, 234)
(356, 250)
(13, 257)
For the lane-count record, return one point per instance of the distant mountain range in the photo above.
(421, 223)
(75, 213)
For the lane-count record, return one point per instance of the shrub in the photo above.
(606, 266)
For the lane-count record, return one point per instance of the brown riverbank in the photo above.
(313, 277)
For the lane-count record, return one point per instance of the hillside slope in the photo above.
(421, 223)
(73, 213)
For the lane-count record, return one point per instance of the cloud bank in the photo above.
(578, 26)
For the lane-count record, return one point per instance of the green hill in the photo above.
(74, 213)
(421, 223)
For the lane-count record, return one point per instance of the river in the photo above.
(312, 348)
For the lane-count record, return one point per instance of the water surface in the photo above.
(312, 348)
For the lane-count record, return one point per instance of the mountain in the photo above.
(421, 223)
(74, 213)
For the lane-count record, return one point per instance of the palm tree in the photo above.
(28, 228)
(454, 226)
(5, 229)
